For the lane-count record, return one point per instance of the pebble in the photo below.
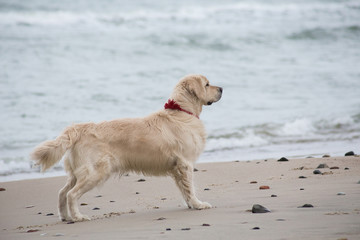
(323, 165)
(334, 168)
(351, 153)
(302, 189)
(141, 180)
(280, 220)
(307, 205)
(168, 229)
(257, 208)
(71, 222)
(255, 228)
(2, 189)
(112, 201)
(253, 182)
(83, 204)
(32, 230)
(316, 171)
(185, 229)
(264, 187)
(346, 168)
(273, 195)
(196, 170)
(359, 182)
(49, 214)
(30, 206)
(206, 225)
(302, 177)
(96, 208)
(206, 189)
(283, 159)
(326, 156)
(98, 196)
(161, 218)
(341, 193)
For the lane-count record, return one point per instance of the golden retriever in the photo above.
(165, 143)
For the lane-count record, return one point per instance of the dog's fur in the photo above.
(166, 143)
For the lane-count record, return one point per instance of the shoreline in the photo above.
(125, 208)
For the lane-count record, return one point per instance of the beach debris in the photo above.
(96, 208)
(83, 204)
(316, 171)
(326, 156)
(351, 153)
(98, 196)
(39, 213)
(283, 159)
(255, 228)
(141, 180)
(137, 193)
(50, 214)
(346, 168)
(253, 182)
(302, 189)
(340, 193)
(302, 177)
(307, 205)
(257, 208)
(323, 165)
(185, 229)
(206, 189)
(30, 206)
(168, 229)
(58, 235)
(160, 219)
(206, 225)
(32, 230)
(335, 167)
(112, 201)
(264, 187)
(2, 189)
(273, 195)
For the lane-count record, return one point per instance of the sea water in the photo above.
(289, 69)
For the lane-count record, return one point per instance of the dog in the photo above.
(165, 143)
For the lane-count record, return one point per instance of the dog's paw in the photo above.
(81, 218)
(203, 205)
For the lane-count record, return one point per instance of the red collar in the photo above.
(171, 104)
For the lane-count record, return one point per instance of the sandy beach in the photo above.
(127, 208)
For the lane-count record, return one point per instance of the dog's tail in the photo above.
(50, 152)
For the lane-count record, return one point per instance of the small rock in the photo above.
(206, 225)
(273, 195)
(264, 187)
(137, 193)
(255, 228)
(49, 214)
(283, 159)
(30, 206)
(302, 189)
(253, 182)
(71, 222)
(302, 177)
(98, 196)
(206, 189)
(346, 168)
(185, 229)
(39, 213)
(163, 199)
(96, 208)
(161, 218)
(132, 211)
(334, 168)
(141, 180)
(257, 208)
(2, 189)
(83, 204)
(340, 193)
(196, 170)
(351, 153)
(168, 229)
(280, 220)
(323, 165)
(307, 205)
(32, 230)
(326, 156)
(316, 171)
(358, 182)
(112, 201)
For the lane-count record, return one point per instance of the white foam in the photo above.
(298, 127)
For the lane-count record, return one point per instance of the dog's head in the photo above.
(197, 87)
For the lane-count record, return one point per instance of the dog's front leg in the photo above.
(183, 176)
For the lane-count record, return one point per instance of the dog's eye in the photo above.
(207, 85)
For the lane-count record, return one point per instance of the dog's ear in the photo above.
(190, 87)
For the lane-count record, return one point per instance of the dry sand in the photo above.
(154, 209)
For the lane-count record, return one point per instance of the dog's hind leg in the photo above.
(63, 209)
(183, 176)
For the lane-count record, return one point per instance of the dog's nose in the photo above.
(220, 89)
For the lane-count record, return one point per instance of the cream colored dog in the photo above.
(166, 143)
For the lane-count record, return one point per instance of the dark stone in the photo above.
(334, 168)
(307, 205)
(137, 193)
(346, 168)
(323, 165)
(257, 208)
(96, 208)
(98, 196)
(255, 228)
(70, 222)
(196, 170)
(141, 180)
(316, 171)
(185, 229)
(326, 156)
(112, 201)
(32, 230)
(2, 189)
(83, 204)
(283, 159)
(273, 195)
(206, 189)
(253, 182)
(302, 177)
(264, 187)
(280, 220)
(302, 189)
(161, 218)
(351, 153)
(50, 214)
(168, 229)
(206, 225)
